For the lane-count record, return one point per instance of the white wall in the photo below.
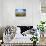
(0, 13)
(32, 12)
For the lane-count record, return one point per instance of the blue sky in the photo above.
(19, 10)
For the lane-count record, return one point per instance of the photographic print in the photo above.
(20, 12)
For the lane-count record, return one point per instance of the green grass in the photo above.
(20, 14)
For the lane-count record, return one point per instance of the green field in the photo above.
(20, 14)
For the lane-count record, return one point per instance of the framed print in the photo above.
(20, 12)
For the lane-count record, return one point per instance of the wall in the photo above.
(32, 12)
(0, 12)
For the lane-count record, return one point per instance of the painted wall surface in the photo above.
(32, 12)
(0, 12)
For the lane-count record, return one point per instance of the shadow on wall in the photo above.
(1, 33)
